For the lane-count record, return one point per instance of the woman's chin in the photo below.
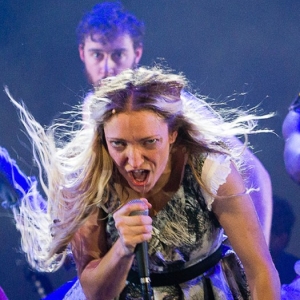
(141, 188)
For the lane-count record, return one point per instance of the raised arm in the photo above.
(238, 217)
(103, 271)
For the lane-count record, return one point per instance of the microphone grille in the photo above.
(138, 212)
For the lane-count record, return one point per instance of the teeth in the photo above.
(139, 175)
(138, 171)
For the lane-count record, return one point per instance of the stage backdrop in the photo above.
(223, 47)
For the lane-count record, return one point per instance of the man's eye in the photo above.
(118, 55)
(98, 55)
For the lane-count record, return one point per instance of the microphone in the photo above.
(141, 253)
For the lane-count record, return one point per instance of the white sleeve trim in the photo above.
(215, 170)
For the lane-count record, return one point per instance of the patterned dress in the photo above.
(185, 232)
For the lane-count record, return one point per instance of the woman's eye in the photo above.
(151, 142)
(117, 144)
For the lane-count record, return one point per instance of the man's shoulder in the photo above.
(88, 96)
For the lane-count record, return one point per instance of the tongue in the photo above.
(139, 176)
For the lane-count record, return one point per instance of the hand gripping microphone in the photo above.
(141, 253)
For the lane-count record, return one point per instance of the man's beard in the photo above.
(98, 82)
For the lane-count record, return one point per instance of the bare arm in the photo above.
(102, 271)
(238, 217)
(262, 199)
(291, 135)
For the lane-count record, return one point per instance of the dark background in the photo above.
(223, 47)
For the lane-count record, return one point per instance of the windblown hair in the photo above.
(109, 20)
(75, 161)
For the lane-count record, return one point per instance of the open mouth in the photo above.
(139, 176)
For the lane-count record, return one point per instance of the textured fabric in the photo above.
(186, 231)
(216, 168)
(75, 293)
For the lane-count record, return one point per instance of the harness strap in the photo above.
(180, 276)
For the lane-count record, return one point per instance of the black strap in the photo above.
(207, 289)
(180, 276)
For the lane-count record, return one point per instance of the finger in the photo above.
(133, 224)
(133, 206)
(133, 240)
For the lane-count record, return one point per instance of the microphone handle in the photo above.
(143, 267)
(141, 254)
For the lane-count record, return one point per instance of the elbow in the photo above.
(265, 284)
(104, 290)
(93, 294)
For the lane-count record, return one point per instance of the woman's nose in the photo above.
(135, 157)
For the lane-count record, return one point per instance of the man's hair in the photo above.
(110, 20)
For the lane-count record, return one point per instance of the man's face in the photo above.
(110, 58)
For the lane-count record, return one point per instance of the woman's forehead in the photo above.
(136, 117)
(141, 122)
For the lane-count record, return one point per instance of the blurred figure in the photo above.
(110, 40)
(291, 135)
(282, 225)
(292, 290)
(14, 185)
(2, 295)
